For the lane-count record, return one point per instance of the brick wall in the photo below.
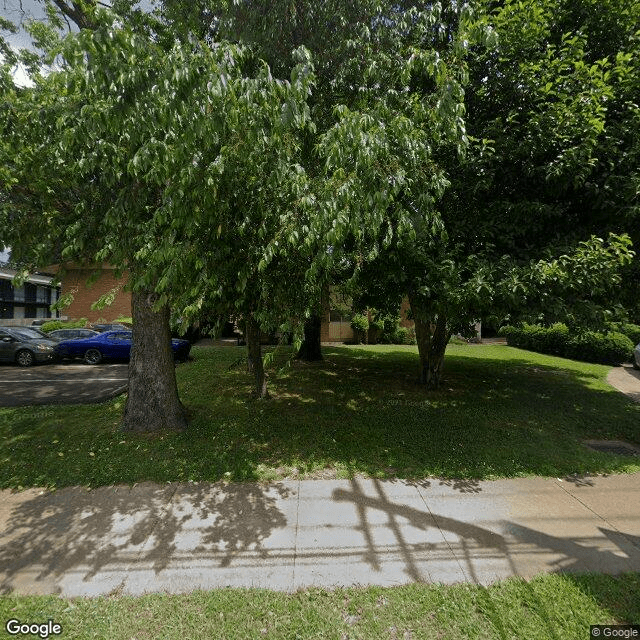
(404, 308)
(84, 295)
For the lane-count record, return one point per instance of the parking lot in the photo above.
(66, 383)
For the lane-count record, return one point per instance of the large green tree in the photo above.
(517, 217)
(141, 155)
(388, 90)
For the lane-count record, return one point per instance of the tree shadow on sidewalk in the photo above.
(112, 529)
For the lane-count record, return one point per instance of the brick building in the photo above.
(88, 284)
(336, 319)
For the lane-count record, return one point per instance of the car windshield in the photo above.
(121, 335)
(28, 333)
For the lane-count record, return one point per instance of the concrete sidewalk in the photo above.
(627, 380)
(292, 534)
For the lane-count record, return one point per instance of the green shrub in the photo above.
(400, 335)
(589, 346)
(391, 331)
(376, 329)
(632, 331)
(360, 326)
(605, 348)
(63, 324)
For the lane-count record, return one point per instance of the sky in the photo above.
(18, 12)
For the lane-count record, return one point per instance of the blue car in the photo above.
(110, 344)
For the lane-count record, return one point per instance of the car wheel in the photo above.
(636, 365)
(25, 358)
(92, 356)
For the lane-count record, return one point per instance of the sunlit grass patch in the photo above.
(501, 412)
(549, 606)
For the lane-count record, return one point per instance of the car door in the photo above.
(120, 344)
(7, 347)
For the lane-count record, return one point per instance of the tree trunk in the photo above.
(255, 358)
(310, 349)
(152, 403)
(431, 346)
(439, 341)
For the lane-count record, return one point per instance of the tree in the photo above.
(119, 157)
(374, 59)
(514, 210)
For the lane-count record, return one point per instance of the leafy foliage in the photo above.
(589, 346)
(632, 331)
(520, 233)
(63, 324)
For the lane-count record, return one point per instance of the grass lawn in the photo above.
(547, 607)
(501, 412)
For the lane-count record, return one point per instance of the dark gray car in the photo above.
(70, 334)
(26, 346)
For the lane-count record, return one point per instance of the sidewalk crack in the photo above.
(632, 542)
(295, 541)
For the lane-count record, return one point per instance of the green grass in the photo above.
(501, 412)
(547, 607)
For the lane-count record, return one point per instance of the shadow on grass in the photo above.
(492, 417)
(359, 412)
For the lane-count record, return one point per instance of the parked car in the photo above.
(112, 345)
(636, 357)
(68, 334)
(101, 328)
(26, 346)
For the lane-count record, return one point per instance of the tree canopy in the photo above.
(480, 159)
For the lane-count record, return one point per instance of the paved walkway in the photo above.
(292, 534)
(627, 380)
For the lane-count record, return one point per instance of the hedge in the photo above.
(632, 331)
(590, 346)
(52, 325)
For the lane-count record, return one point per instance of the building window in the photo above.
(6, 310)
(30, 294)
(6, 290)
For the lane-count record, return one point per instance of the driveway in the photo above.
(67, 383)
(627, 380)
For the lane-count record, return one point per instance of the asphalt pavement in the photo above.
(64, 383)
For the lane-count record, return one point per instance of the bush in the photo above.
(63, 324)
(607, 348)
(632, 331)
(376, 328)
(393, 333)
(589, 346)
(360, 326)
(399, 335)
